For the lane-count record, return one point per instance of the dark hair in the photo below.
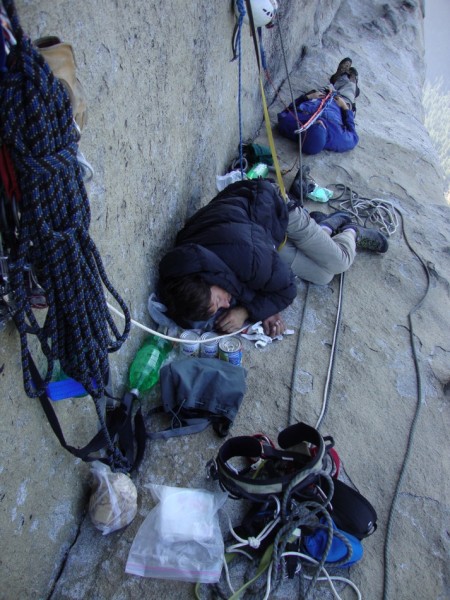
(353, 71)
(188, 298)
(344, 60)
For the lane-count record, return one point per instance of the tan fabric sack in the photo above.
(61, 60)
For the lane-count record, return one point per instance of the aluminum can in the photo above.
(230, 349)
(191, 346)
(211, 349)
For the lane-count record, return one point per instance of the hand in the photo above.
(274, 326)
(232, 320)
(314, 95)
(341, 102)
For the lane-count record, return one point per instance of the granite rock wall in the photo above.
(163, 101)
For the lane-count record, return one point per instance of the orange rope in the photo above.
(313, 117)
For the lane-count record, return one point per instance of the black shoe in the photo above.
(318, 216)
(368, 239)
(302, 183)
(334, 221)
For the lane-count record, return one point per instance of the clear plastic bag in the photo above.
(223, 181)
(113, 503)
(180, 538)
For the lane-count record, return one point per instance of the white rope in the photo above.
(332, 353)
(329, 578)
(252, 541)
(227, 575)
(379, 212)
(269, 582)
(174, 339)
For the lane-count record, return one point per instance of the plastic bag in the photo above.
(320, 194)
(223, 181)
(113, 503)
(180, 538)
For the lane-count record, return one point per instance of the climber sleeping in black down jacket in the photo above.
(226, 257)
(239, 254)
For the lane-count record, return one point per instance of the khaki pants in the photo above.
(346, 89)
(312, 254)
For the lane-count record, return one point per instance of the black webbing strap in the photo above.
(124, 446)
(180, 426)
(98, 442)
(128, 433)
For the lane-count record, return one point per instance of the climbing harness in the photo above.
(324, 102)
(290, 490)
(284, 469)
(51, 234)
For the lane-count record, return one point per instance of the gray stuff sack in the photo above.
(198, 392)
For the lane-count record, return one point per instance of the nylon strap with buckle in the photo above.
(285, 464)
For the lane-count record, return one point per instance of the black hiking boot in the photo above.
(318, 216)
(334, 221)
(368, 239)
(302, 183)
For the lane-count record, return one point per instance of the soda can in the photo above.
(230, 349)
(210, 349)
(192, 345)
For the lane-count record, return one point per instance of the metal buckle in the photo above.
(212, 471)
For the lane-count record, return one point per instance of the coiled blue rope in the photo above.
(36, 124)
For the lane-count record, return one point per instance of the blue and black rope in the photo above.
(36, 124)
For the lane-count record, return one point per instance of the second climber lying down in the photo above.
(334, 129)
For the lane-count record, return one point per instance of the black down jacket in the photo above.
(232, 242)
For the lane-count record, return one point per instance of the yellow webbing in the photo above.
(271, 142)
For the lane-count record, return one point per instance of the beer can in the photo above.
(230, 349)
(209, 349)
(191, 346)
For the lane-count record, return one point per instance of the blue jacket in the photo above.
(340, 124)
(232, 242)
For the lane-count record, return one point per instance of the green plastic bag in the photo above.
(320, 194)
